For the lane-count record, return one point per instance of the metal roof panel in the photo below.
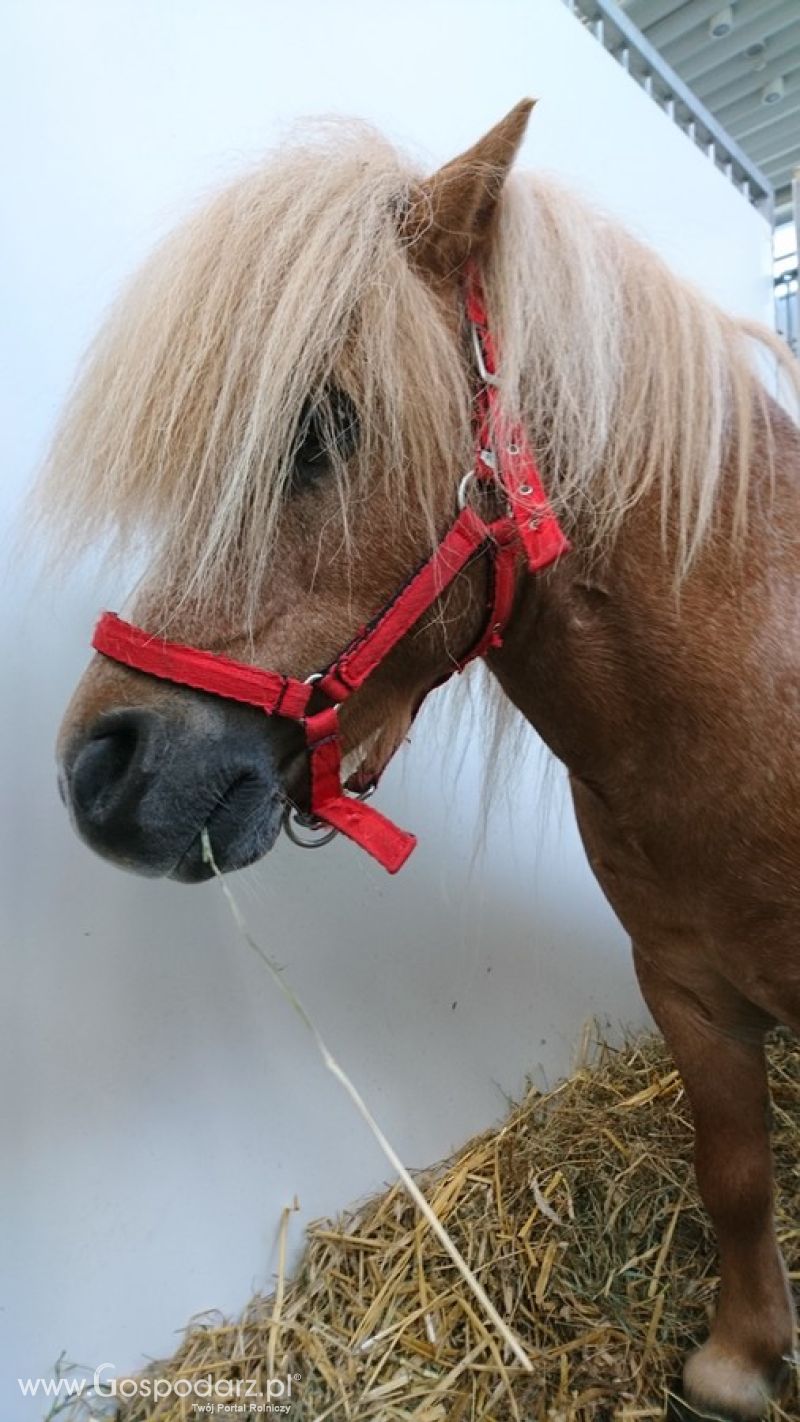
(729, 74)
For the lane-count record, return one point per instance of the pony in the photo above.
(279, 412)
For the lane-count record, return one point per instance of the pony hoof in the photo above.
(718, 1385)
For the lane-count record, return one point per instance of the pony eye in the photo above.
(327, 432)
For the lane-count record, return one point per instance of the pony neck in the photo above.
(569, 660)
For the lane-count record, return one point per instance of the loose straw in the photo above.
(336, 1070)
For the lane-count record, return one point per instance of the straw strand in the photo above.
(336, 1070)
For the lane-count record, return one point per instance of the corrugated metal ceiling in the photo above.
(743, 61)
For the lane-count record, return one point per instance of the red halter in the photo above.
(528, 528)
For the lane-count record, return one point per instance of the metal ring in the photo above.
(312, 681)
(294, 821)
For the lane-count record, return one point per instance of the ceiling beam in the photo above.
(682, 20)
(767, 20)
(782, 137)
(726, 86)
(763, 118)
(747, 95)
(782, 172)
(649, 12)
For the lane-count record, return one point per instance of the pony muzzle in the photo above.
(130, 781)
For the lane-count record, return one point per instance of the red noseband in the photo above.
(504, 463)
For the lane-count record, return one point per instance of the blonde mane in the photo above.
(179, 432)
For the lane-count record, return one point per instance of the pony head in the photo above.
(278, 413)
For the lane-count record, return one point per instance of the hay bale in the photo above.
(579, 1215)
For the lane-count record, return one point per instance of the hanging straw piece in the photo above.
(338, 1071)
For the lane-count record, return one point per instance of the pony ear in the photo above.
(449, 216)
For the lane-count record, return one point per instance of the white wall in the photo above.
(161, 1104)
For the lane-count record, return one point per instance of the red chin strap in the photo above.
(527, 529)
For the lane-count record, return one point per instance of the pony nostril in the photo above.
(101, 769)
